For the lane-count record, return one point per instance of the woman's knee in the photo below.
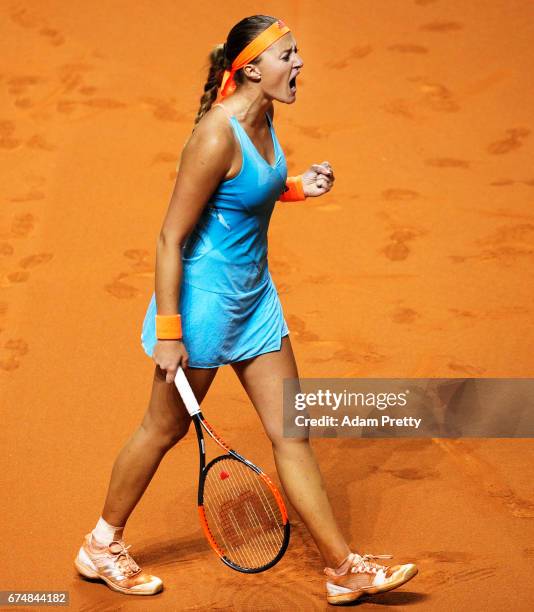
(287, 444)
(165, 437)
(282, 437)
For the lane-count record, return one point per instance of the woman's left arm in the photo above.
(315, 181)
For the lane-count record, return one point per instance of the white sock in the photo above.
(104, 533)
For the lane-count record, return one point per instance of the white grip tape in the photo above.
(184, 388)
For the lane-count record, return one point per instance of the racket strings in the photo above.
(241, 519)
(242, 513)
(245, 523)
(221, 521)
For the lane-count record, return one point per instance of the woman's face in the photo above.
(279, 65)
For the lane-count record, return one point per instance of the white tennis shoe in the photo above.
(364, 576)
(114, 565)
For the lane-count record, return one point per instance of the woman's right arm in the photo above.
(204, 162)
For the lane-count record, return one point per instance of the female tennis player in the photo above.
(211, 262)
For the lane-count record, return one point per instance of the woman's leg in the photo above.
(165, 422)
(262, 378)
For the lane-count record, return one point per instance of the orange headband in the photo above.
(252, 50)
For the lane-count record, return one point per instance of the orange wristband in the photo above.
(294, 190)
(169, 327)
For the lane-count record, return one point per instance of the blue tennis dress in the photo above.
(229, 304)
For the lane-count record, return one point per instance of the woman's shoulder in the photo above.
(216, 119)
(213, 131)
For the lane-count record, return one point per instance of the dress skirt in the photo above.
(221, 328)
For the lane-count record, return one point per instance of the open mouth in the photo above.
(293, 84)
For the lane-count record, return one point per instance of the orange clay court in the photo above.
(418, 263)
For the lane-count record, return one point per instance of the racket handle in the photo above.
(184, 388)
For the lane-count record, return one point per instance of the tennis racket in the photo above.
(241, 511)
